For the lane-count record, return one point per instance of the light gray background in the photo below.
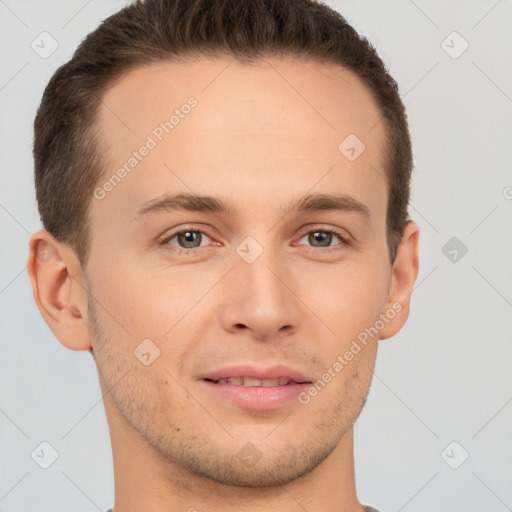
(445, 377)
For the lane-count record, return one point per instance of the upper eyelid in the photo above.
(170, 233)
(342, 233)
(166, 237)
(327, 229)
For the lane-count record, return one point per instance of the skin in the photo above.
(261, 137)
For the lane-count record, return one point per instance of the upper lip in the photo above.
(272, 372)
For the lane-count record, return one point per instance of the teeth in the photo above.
(250, 382)
(270, 382)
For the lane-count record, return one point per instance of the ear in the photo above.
(403, 277)
(59, 290)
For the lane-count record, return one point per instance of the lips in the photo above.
(252, 388)
(250, 382)
(251, 376)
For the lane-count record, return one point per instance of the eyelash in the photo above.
(344, 241)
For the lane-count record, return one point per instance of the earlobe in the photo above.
(55, 275)
(403, 277)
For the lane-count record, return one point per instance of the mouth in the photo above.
(252, 382)
(249, 387)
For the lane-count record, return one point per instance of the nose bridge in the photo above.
(265, 277)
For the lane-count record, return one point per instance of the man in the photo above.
(224, 187)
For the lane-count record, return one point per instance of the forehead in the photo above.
(221, 126)
(275, 93)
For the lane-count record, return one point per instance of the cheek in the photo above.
(155, 302)
(347, 298)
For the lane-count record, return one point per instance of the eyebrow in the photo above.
(195, 203)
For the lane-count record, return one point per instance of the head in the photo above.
(274, 247)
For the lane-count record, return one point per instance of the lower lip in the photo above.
(257, 397)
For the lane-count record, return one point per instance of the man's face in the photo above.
(259, 138)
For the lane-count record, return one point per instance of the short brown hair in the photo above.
(68, 165)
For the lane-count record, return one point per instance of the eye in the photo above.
(319, 238)
(187, 239)
(190, 239)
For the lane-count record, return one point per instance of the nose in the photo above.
(259, 298)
